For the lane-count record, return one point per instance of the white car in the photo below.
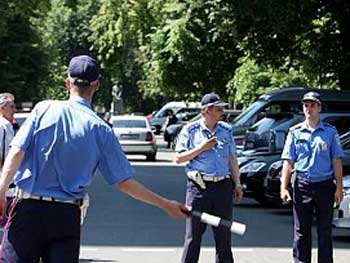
(341, 217)
(135, 135)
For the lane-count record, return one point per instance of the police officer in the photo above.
(53, 158)
(213, 176)
(313, 150)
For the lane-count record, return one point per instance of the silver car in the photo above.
(135, 135)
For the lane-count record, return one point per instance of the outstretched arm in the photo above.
(140, 192)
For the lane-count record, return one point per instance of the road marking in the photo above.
(148, 249)
(88, 249)
(290, 250)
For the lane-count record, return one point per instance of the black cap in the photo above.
(212, 99)
(83, 70)
(312, 96)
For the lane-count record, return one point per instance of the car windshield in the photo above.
(270, 121)
(244, 117)
(129, 124)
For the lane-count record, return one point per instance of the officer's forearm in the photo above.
(12, 162)
(188, 155)
(139, 192)
(338, 172)
(235, 175)
(286, 174)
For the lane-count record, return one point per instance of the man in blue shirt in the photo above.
(52, 160)
(213, 176)
(313, 152)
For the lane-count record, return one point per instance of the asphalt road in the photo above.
(121, 229)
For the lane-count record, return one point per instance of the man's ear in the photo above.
(97, 85)
(68, 84)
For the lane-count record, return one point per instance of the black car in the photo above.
(285, 100)
(272, 182)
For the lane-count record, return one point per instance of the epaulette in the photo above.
(224, 125)
(192, 126)
(296, 127)
(329, 125)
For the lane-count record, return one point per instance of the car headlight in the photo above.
(241, 160)
(252, 167)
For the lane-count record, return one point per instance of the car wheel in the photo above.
(151, 157)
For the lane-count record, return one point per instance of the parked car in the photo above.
(258, 136)
(285, 100)
(341, 215)
(174, 130)
(19, 118)
(253, 173)
(158, 119)
(135, 135)
(272, 182)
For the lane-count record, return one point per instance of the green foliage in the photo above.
(189, 51)
(307, 33)
(173, 49)
(64, 30)
(252, 80)
(23, 62)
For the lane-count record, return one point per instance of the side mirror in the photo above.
(276, 140)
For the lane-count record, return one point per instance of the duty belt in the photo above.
(22, 194)
(214, 179)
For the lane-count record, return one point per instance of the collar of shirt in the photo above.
(304, 126)
(204, 128)
(4, 121)
(81, 100)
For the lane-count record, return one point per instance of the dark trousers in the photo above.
(217, 200)
(42, 229)
(309, 199)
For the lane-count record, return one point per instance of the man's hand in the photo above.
(338, 195)
(174, 209)
(285, 196)
(238, 193)
(208, 144)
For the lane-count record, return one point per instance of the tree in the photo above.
(23, 63)
(65, 30)
(312, 34)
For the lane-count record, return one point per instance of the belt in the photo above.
(214, 179)
(21, 194)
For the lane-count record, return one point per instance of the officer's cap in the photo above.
(212, 99)
(83, 70)
(312, 96)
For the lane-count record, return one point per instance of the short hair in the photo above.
(5, 97)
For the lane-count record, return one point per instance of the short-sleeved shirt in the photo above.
(64, 143)
(6, 136)
(213, 162)
(313, 151)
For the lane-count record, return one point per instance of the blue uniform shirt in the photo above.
(214, 162)
(64, 142)
(313, 151)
